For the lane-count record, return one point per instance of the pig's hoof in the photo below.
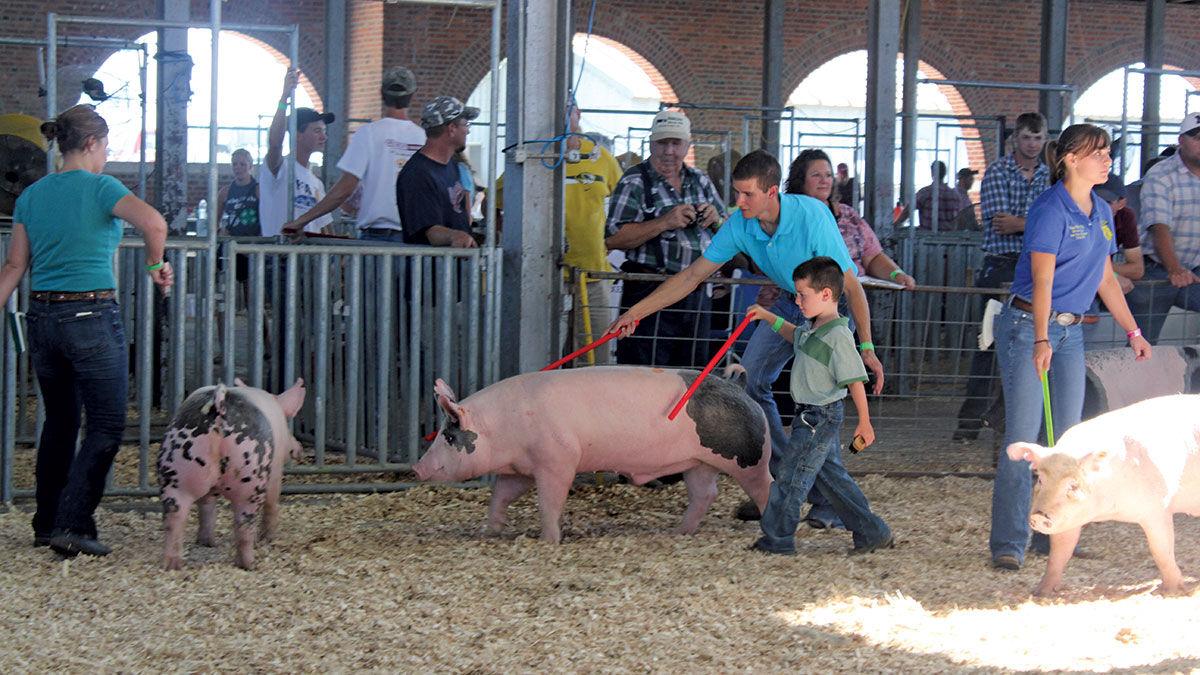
(245, 562)
(172, 563)
(206, 540)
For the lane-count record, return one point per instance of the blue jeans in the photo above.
(1023, 418)
(81, 358)
(1151, 302)
(381, 234)
(764, 359)
(814, 458)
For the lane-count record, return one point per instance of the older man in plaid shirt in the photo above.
(1009, 186)
(1170, 222)
(662, 214)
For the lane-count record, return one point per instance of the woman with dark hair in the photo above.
(66, 232)
(811, 174)
(1064, 263)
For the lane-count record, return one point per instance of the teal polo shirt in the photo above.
(73, 234)
(806, 230)
(827, 362)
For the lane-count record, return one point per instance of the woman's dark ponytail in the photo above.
(72, 129)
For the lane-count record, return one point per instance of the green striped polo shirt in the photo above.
(827, 361)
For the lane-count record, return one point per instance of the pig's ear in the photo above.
(441, 389)
(237, 382)
(292, 400)
(456, 412)
(1026, 452)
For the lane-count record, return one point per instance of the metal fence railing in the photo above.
(368, 327)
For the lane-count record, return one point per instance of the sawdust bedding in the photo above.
(404, 582)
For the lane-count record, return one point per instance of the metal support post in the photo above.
(174, 92)
(537, 75)
(883, 47)
(335, 86)
(209, 292)
(908, 115)
(1054, 59)
(772, 73)
(1152, 90)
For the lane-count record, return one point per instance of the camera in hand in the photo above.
(699, 217)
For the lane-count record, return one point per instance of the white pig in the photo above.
(1139, 464)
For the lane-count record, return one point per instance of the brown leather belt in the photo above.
(1061, 318)
(65, 296)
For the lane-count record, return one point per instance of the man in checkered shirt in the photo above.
(1170, 224)
(662, 215)
(1010, 184)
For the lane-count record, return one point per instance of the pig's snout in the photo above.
(1040, 521)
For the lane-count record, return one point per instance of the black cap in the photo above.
(306, 116)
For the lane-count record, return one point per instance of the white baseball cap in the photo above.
(670, 124)
(1190, 123)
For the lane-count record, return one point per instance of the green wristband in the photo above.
(895, 273)
(778, 324)
(866, 346)
(283, 105)
(156, 266)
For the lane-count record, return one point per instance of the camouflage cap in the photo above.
(444, 110)
(398, 81)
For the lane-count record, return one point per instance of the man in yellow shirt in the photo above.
(589, 182)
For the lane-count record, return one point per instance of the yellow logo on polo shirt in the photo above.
(1108, 233)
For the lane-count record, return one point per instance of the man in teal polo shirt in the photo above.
(777, 232)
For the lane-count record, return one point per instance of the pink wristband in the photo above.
(1136, 332)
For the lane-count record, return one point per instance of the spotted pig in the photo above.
(542, 428)
(230, 441)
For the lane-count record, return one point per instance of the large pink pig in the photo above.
(542, 428)
(1139, 464)
(230, 441)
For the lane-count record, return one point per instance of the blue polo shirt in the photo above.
(806, 230)
(1079, 242)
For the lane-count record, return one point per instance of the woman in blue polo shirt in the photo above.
(1064, 263)
(65, 230)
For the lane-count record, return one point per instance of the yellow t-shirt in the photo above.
(588, 184)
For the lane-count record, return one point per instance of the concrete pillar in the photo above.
(772, 74)
(1054, 61)
(336, 39)
(883, 48)
(173, 91)
(538, 41)
(908, 134)
(1152, 94)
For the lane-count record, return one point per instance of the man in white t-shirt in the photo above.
(273, 209)
(372, 160)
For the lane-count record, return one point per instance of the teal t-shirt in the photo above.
(806, 230)
(73, 234)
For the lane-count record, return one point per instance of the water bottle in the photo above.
(202, 217)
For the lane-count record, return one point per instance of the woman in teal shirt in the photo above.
(66, 231)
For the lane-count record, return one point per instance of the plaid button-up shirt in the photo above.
(1171, 196)
(672, 250)
(1005, 190)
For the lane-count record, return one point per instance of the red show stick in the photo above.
(582, 350)
(708, 369)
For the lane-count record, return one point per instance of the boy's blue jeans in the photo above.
(1023, 419)
(813, 458)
